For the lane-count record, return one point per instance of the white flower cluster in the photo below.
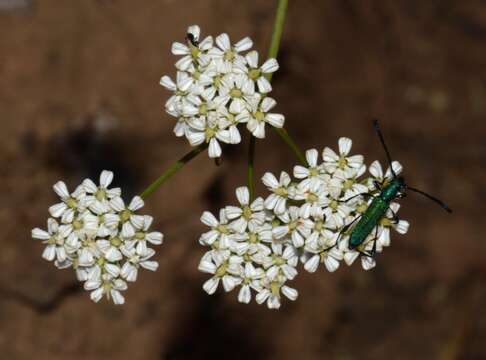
(258, 245)
(104, 240)
(217, 88)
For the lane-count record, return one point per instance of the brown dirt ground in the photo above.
(80, 93)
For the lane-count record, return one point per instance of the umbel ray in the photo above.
(362, 226)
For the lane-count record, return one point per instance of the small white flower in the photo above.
(376, 171)
(129, 220)
(282, 262)
(136, 259)
(249, 66)
(235, 91)
(54, 238)
(294, 225)
(192, 52)
(220, 265)
(259, 114)
(253, 245)
(271, 293)
(277, 201)
(70, 202)
(246, 213)
(104, 284)
(219, 233)
(227, 52)
(313, 172)
(333, 161)
(250, 280)
(100, 195)
(206, 129)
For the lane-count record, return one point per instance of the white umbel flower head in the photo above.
(104, 241)
(218, 87)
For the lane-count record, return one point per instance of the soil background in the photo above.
(79, 93)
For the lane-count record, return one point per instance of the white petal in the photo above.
(49, 252)
(155, 238)
(367, 262)
(211, 285)
(243, 195)
(129, 272)
(252, 59)
(276, 120)
(57, 209)
(167, 82)
(243, 44)
(209, 219)
(270, 66)
(223, 42)
(106, 178)
(312, 264)
(117, 297)
(229, 283)
(96, 295)
(214, 150)
(136, 203)
(270, 180)
(179, 49)
(290, 293)
(40, 234)
(331, 263)
(311, 157)
(402, 226)
(264, 85)
(60, 189)
(345, 145)
(244, 295)
(150, 265)
(350, 256)
(376, 170)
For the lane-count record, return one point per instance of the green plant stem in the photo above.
(251, 157)
(278, 26)
(277, 31)
(292, 145)
(175, 167)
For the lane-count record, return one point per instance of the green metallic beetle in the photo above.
(380, 204)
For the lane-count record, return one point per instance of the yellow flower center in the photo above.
(125, 215)
(254, 74)
(236, 93)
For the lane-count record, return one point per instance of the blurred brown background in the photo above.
(80, 93)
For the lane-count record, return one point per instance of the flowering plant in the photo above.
(255, 246)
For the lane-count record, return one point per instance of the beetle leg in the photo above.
(377, 184)
(372, 252)
(355, 196)
(395, 217)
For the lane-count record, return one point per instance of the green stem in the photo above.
(277, 31)
(175, 167)
(278, 26)
(292, 145)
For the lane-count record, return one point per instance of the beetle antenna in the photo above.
(434, 199)
(382, 140)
